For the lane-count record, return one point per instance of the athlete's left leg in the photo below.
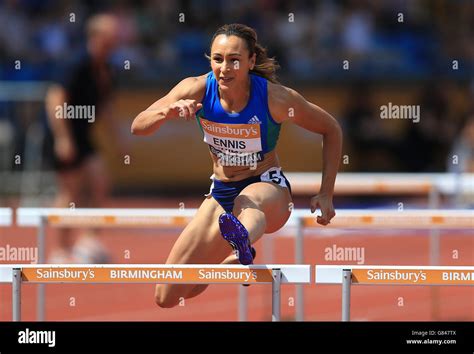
(262, 207)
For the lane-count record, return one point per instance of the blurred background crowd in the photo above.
(350, 57)
(388, 40)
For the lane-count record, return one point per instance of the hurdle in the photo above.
(416, 219)
(275, 274)
(348, 275)
(345, 219)
(103, 218)
(432, 185)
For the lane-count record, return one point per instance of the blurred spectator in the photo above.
(14, 41)
(85, 88)
(461, 158)
(357, 34)
(369, 136)
(426, 143)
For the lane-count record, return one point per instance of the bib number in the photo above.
(274, 175)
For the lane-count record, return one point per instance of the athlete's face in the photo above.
(230, 61)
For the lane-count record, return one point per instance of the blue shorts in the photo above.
(226, 192)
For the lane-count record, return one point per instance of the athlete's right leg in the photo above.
(199, 243)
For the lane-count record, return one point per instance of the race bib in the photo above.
(273, 175)
(235, 138)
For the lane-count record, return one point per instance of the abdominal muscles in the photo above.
(229, 168)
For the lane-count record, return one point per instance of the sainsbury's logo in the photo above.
(239, 131)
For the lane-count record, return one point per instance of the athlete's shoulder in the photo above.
(280, 99)
(280, 93)
(192, 87)
(195, 82)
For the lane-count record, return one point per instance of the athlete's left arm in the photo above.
(288, 105)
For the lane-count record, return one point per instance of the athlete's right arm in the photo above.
(182, 101)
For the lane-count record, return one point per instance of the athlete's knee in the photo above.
(253, 214)
(163, 298)
(243, 202)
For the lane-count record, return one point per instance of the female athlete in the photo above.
(239, 107)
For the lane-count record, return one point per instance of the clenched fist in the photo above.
(183, 109)
(324, 203)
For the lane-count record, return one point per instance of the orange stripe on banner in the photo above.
(53, 219)
(437, 220)
(145, 275)
(383, 187)
(308, 222)
(180, 220)
(109, 219)
(426, 187)
(413, 276)
(367, 219)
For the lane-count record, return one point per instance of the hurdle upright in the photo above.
(348, 275)
(275, 274)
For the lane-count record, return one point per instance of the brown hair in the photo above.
(264, 66)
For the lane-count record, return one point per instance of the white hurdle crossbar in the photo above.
(102, 217)
(415, 219)
(349, 275)
(275, 274)
(347, 183)
(6, 216)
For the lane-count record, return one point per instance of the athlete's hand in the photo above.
(184, 109)
(324, 203)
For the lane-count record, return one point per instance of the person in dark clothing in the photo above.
(80, 97)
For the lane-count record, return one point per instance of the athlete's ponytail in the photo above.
(264, 66)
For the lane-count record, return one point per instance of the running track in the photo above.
(134, 302)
